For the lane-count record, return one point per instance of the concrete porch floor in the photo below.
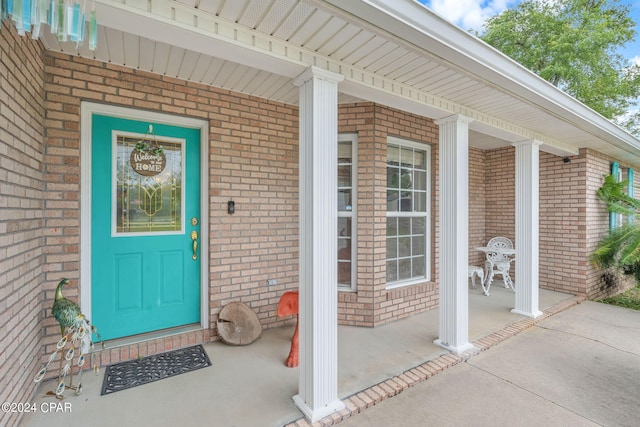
(251, 386)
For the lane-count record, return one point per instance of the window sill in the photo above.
(412, 282)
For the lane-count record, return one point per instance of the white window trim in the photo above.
(427, 215)
(353, 137)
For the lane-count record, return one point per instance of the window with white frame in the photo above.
(408, 220)
(347, 149)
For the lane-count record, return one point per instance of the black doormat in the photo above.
(132, 373)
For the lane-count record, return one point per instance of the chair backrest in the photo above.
(502, 243)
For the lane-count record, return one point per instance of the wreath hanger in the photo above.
(147, 158)
(152, 145)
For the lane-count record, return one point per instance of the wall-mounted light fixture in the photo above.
(231, 207)
(566, 160)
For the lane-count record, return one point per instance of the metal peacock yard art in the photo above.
(76, 339)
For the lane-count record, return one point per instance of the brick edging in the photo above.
(375, 394)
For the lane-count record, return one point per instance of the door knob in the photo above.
(194, 238)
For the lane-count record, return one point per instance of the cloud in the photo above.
(468, 14)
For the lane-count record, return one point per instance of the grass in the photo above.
(629, 299)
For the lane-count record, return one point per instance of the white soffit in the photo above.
(394, 52)
(531, 102)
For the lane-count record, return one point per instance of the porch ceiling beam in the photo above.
(179, 25)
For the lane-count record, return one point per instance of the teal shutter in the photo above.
(630, 190)
(613, 217)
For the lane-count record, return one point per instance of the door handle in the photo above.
(194, 238)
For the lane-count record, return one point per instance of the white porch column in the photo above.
(318, 384)
(454, 233)
(527, 227)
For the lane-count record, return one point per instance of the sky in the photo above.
(471, 14)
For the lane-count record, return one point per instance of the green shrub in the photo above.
(629, 299)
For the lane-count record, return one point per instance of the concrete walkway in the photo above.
(580, 367)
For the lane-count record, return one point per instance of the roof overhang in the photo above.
(422, 27)
(393, 52)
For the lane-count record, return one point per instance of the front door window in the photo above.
(148, 190)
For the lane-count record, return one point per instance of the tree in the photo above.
(621, 248)
(574, 45)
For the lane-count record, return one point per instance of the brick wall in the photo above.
(500, 176)
(563, 223)
(373, 304)
(477, 206)
(572, 223)
(357, 308)
(572, 219)
(598, 166)
(21, 216)
(253, 160)
(404, 301)
(563, 253)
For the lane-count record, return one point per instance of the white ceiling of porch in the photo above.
(300, 25)
(325, 32)
(306, 26)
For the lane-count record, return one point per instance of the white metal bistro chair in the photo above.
(500, 255)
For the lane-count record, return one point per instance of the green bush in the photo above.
(620, 249)
(629, 299)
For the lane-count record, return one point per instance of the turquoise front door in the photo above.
(145, 243)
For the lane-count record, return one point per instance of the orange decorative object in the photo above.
(287, 306)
